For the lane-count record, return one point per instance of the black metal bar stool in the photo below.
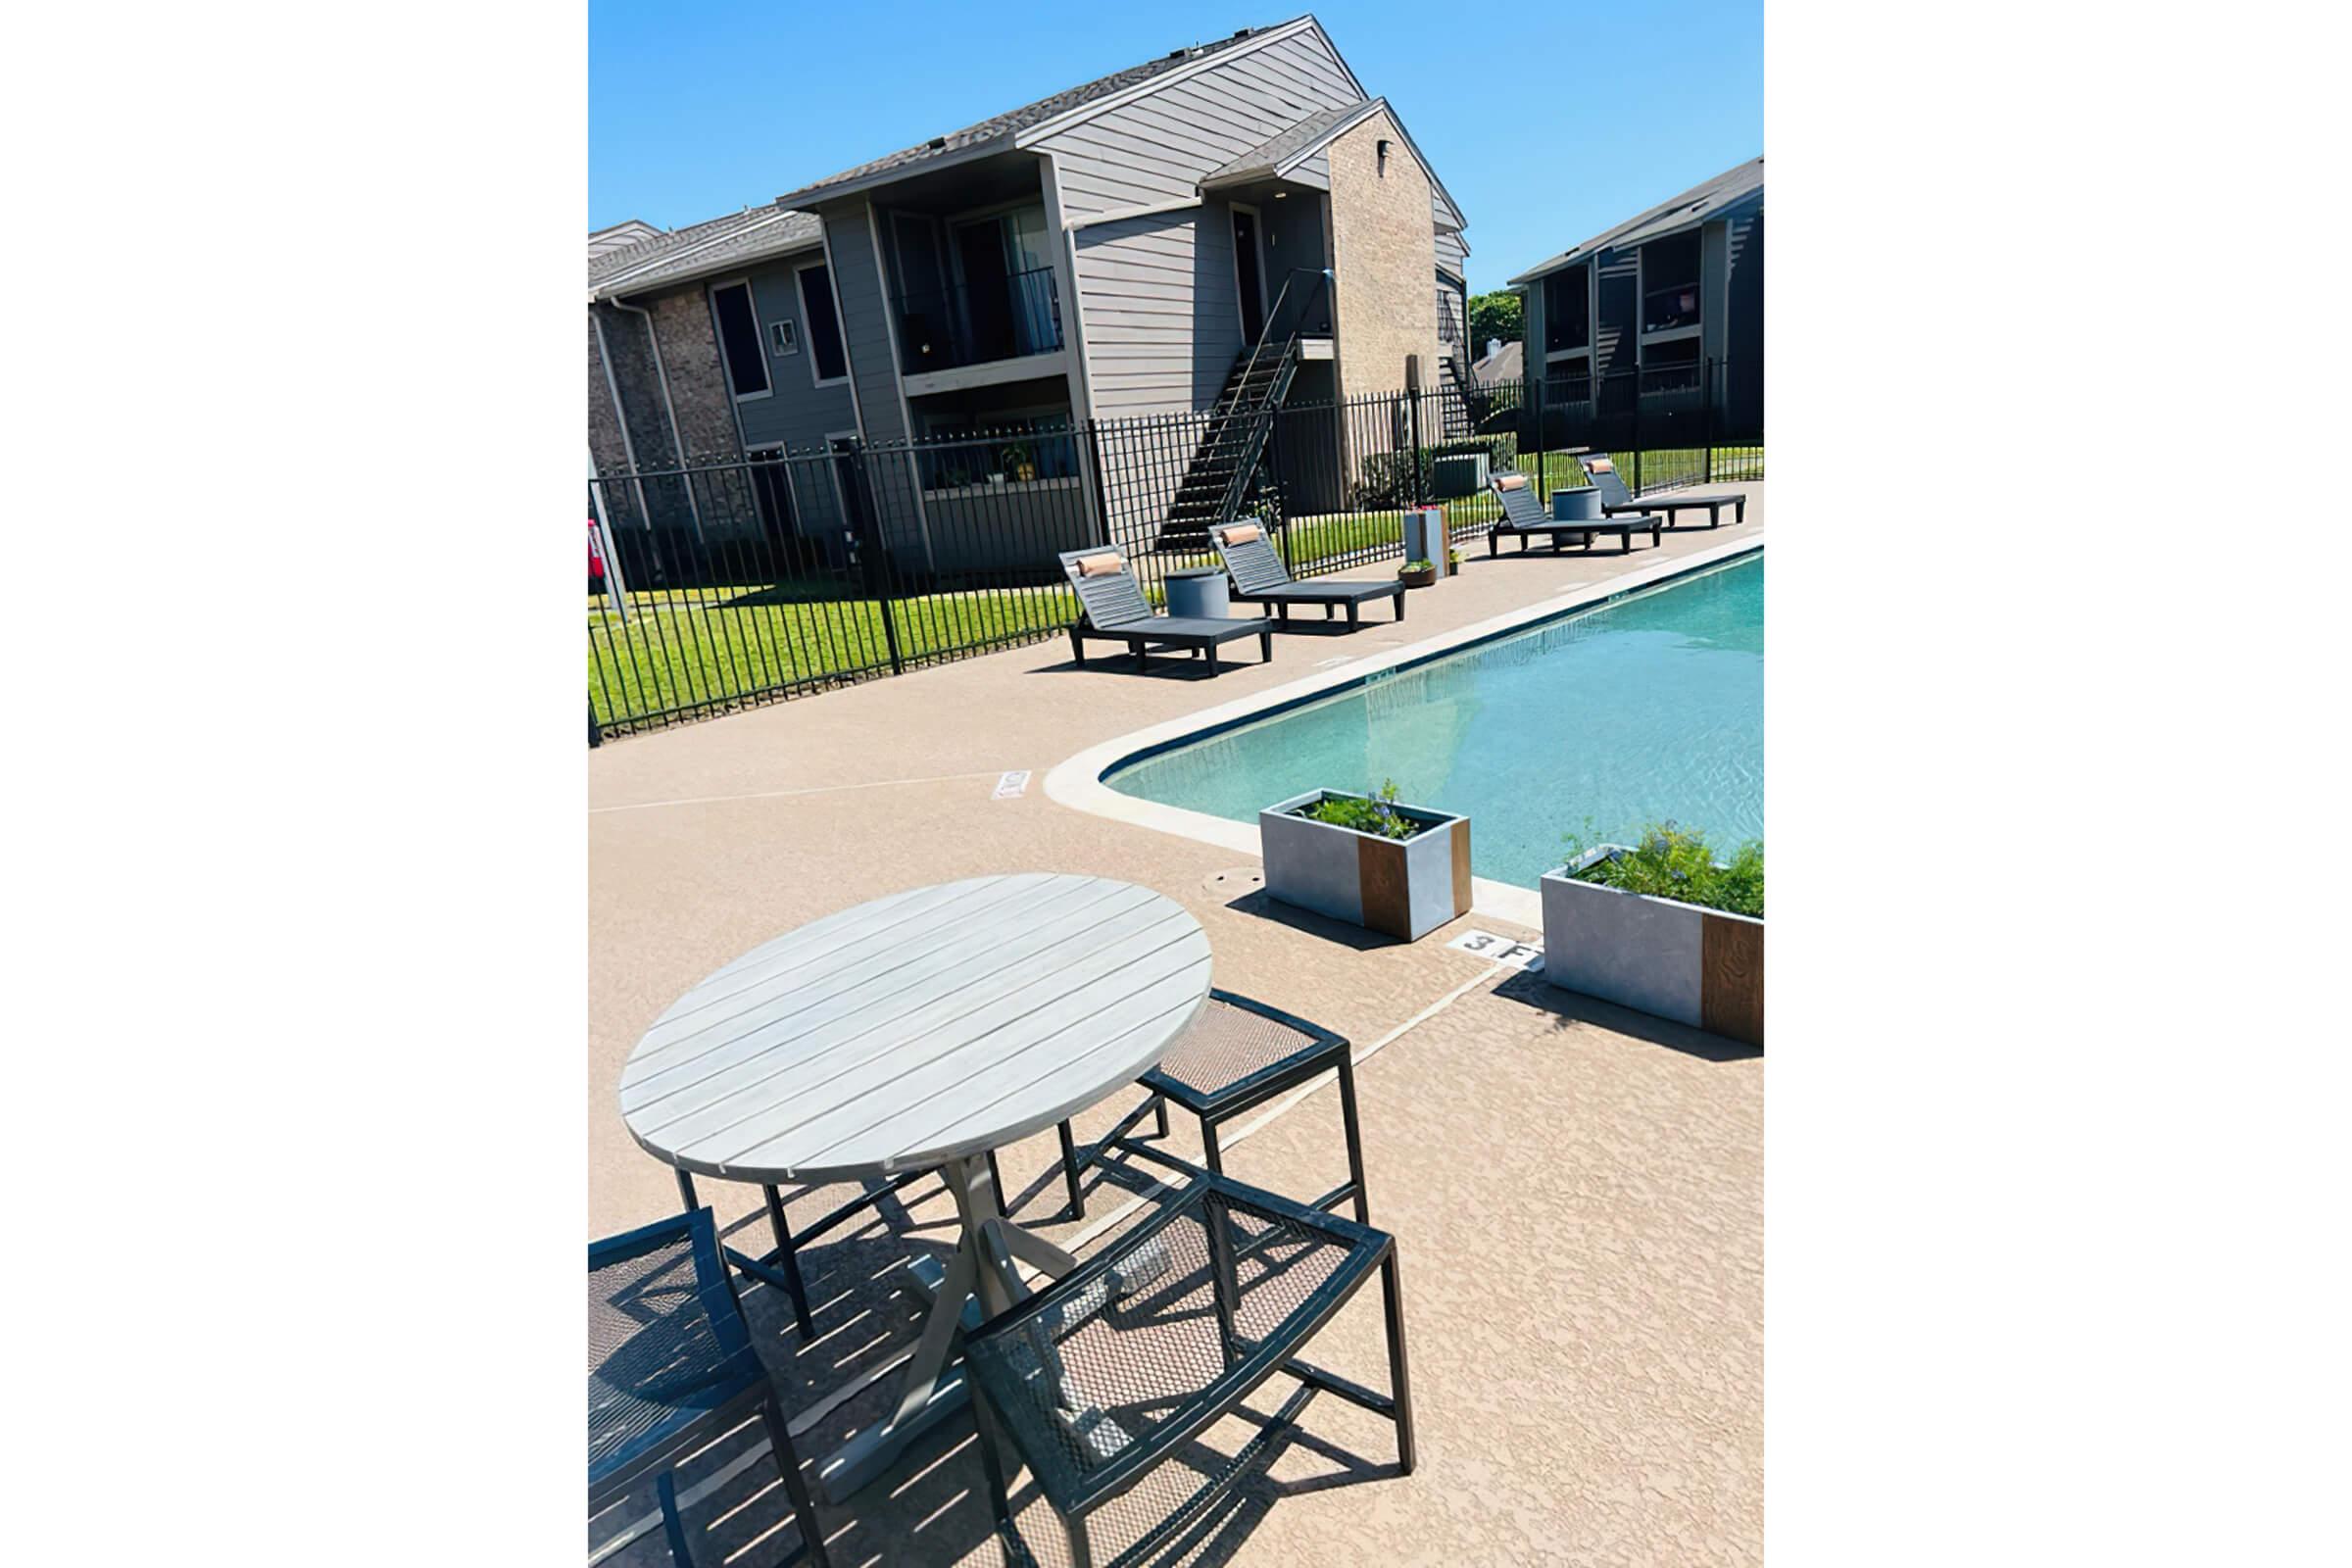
(1238, 1055)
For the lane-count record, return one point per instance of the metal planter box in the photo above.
(1403, 887)
(1703, 967)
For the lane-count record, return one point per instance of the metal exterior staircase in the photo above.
(1225, 463)
(1459, 418)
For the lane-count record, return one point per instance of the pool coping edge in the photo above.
(1077, 781)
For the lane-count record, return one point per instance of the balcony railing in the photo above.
(1675, 305)
(972, 324)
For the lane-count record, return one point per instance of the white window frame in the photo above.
(781, 345)
(718, 334)
(832, 302)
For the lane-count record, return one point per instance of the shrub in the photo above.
(1673, 863)
(1377, 815)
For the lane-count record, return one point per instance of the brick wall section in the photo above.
(698, 381)
(1384, 262)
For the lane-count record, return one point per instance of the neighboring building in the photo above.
(620, 234)
(1117, 249)
(1502, 361)
(1646, 309)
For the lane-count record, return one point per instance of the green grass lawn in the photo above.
(684, 648)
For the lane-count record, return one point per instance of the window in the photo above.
(1568, 310)
(739, 340)
(1670, 282)
(827, 360)
(783, 338)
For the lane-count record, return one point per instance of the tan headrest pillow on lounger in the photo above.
(1511, 481)
(1102, 565)
(1243, 535)
(1599, 465)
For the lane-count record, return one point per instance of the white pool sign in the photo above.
(1012, 785)
(1499, 950)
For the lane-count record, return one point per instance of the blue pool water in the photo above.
(1647, 710)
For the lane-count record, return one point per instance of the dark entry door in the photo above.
(988, 307)
(1245, 260)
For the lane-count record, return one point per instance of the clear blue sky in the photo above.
(1548, 121)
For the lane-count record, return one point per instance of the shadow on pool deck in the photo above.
(1569, 1007)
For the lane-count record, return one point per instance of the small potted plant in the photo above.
(1019, 462)
(1662, 927)
(1418, 573)
(1403, 870)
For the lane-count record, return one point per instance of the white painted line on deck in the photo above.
(777, 794)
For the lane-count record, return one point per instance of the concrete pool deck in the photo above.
(1577, 1191)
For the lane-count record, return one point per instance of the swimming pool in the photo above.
(1646, 710)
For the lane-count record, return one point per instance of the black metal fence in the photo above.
(719, 585)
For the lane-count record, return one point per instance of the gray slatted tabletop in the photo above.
(917, 1029)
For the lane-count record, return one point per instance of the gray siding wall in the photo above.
(864, 319)
(1452, 254)
(1158, 293)
(1162, 316)
(798, 413)
(1744, 388)
(1158, 147)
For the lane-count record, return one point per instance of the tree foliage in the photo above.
(1492, 315)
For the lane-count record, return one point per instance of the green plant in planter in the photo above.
(1377, 815)
(1417, 565)
(1673, 862)
(1018, 460)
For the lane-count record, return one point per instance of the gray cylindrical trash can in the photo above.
(1198, 593)
(1576, 505)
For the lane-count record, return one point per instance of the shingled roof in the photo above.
(1706, 197)
(699, 249)
(1001, 130)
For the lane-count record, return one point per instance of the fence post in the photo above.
(862, 526)
(1706, 426)
(1094, 448)
(596, 735)
(1282, 501)
(1636, 432)
(1412, 404)
(1533, 382)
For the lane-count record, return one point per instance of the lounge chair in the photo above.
(1524, 519)
(1601, 471)
(1112, 608)
(1260, 578)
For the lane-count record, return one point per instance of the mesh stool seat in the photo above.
(1236, 1055)
(1096, 1380)
(672, 1368)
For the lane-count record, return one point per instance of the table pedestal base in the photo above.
(980, 1281)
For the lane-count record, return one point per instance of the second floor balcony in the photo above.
(1011, 316)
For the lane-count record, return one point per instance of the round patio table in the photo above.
(920, 1031)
